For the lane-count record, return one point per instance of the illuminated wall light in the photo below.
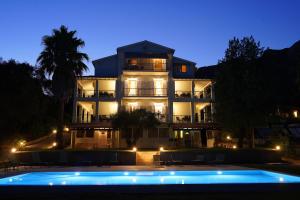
(13, 150)
(54, 144)
(172, 173)
(134, 149)
(126, 173)
(54, 131)
(277, 147)
(161, 149)
(66, 129)
(228, 137)
(281, 179)
(234, 147)
(219, 172)
(295, 113)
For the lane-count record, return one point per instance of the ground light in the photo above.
(134, 149)
(13, 150)
(161, 149)
(277, 147)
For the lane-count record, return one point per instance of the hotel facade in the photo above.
(144, 75)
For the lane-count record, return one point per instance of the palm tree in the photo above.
(62, 61)
(135, 120)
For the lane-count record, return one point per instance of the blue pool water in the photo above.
(148, 178)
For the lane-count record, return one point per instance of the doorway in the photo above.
(203, 138)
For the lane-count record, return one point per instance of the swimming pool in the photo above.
(147, 178)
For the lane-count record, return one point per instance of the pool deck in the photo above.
(26, 169)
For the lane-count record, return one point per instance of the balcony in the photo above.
(145, 92)
(85, 119)
(161, 117)
(146, 64)
(106, 94)
(86, 93)
(202, 95)
(183, 94)
(181, 118)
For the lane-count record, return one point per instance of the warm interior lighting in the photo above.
(228, 137)
(161, 149)
(158, 107)
(54, 131)
(132, 106)
(277, 147)
(54, 144)
(158, 85)
(13, 150)
(132, 85)
(134, 149)
(66, 129)
(234, 146)
(295, 113)
(183, 68)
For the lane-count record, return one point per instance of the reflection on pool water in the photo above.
(148, 178)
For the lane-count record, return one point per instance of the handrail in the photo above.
(145, 91)
(181, 118)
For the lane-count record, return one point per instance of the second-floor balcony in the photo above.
(145, 64)
(145, 92)
(181, 118)
(95, 94)
(202, 95)
(183, 94)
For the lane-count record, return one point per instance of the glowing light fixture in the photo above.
(277, 147)
(54, 131)
(54, 144)
(295, 113)
(134, 149)
(66, 129)
(219, 172)
(161, 149)
(172, 173)
(228, 137)
(234, 146)
(77, 173)
(13, 150)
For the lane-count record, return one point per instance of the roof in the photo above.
(146, 42)
(104, 58)
(182, 60)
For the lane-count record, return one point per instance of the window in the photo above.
(183, 69)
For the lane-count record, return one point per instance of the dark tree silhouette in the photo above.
(26, 111)
(240, 102)
(62, 61)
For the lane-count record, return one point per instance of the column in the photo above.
(97, 101)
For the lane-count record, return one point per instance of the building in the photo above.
(144, 75)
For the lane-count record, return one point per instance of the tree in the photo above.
(62, 61)
(136, 121)
(239, 89)
(26, 111)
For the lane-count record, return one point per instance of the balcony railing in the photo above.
(146, 67)
(183, 94)
(181, 118)
(106, 93)
(202, 95)
(145, 92)
(86, 93)
(161, 117)
(93, 93)
(86, 119)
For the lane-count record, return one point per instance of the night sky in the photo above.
(198, 30)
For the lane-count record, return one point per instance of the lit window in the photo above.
(183, 69)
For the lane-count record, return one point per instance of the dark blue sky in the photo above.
(198, 30)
